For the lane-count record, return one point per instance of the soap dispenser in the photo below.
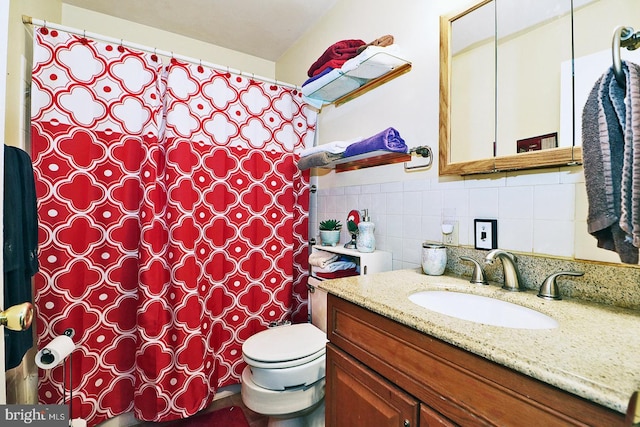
(366, 241)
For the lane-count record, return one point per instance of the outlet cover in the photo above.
(451, 239)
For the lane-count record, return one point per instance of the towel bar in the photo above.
(422, 151)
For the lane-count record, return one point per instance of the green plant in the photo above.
(330, 224)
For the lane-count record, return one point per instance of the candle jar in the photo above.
(434, 259)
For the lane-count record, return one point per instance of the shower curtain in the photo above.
(173, 222)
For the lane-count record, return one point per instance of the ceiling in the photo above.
(262, 28)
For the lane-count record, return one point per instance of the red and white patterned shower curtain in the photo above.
(173, 222)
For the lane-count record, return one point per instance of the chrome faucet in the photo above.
(511, 274)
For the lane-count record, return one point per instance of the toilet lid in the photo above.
(284, 343)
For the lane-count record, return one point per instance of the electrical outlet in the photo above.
(451, 239)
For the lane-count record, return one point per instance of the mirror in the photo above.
(501, 85)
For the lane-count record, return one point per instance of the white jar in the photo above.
(434, 259)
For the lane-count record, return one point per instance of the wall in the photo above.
(539, 212)
(99, 23)
(16, 132)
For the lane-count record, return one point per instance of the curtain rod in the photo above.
(39, 22)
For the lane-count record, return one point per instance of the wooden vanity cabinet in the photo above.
(382, 373)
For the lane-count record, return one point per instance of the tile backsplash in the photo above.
(538, 215)
(535, 213)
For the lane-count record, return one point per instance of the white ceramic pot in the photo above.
(329, 237)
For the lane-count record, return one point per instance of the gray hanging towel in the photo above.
(629, 112)
(603, 153)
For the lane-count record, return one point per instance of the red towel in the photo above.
(335, 55)
(338, 273)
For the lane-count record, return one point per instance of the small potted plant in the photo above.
(330, 232)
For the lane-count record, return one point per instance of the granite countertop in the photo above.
(593, 353)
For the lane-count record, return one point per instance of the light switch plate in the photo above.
(486, 233)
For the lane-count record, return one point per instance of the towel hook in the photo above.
(627, 38)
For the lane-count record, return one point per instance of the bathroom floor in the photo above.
(255, 420)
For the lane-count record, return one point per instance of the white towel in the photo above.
(373, 62)
(334, 147)
(322, 258)
(336, 266)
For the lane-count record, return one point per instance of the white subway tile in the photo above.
(411, 226)
(554, 202)
(483, 203)
(394, 203)
(412, 203)
(391, 187)
(515, 203)
(553, 237)
(394, 226)
(515, 235)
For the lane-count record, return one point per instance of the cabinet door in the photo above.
(358, 397)
(431, 418)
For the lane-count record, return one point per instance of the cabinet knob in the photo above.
(407, 423)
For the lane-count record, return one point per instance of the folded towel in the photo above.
(373, 62)
(317, 76)
(388, 140)
(322, 258)
(338, 274)
(335, 147)
(335, 55)
(383, 41)
(336, 266)
(317, 160)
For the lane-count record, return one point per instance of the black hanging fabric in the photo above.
(20, 252)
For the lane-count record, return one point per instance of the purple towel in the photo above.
(388, 140)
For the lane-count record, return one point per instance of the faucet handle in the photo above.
(477, 276)
(549, 288)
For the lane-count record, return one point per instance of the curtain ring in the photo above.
(84, 34)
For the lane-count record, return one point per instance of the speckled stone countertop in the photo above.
(593, 353)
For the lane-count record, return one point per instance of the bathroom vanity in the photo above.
(395, 363)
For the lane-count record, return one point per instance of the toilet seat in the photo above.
(285, 357)
(284, 346)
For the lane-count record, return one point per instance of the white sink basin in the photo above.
(485, 310)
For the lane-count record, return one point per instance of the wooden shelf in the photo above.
(367, 160)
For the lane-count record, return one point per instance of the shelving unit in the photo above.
(369, 262)
(377, 70)
(380, 68)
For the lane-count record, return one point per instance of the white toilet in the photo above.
(284, 377)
